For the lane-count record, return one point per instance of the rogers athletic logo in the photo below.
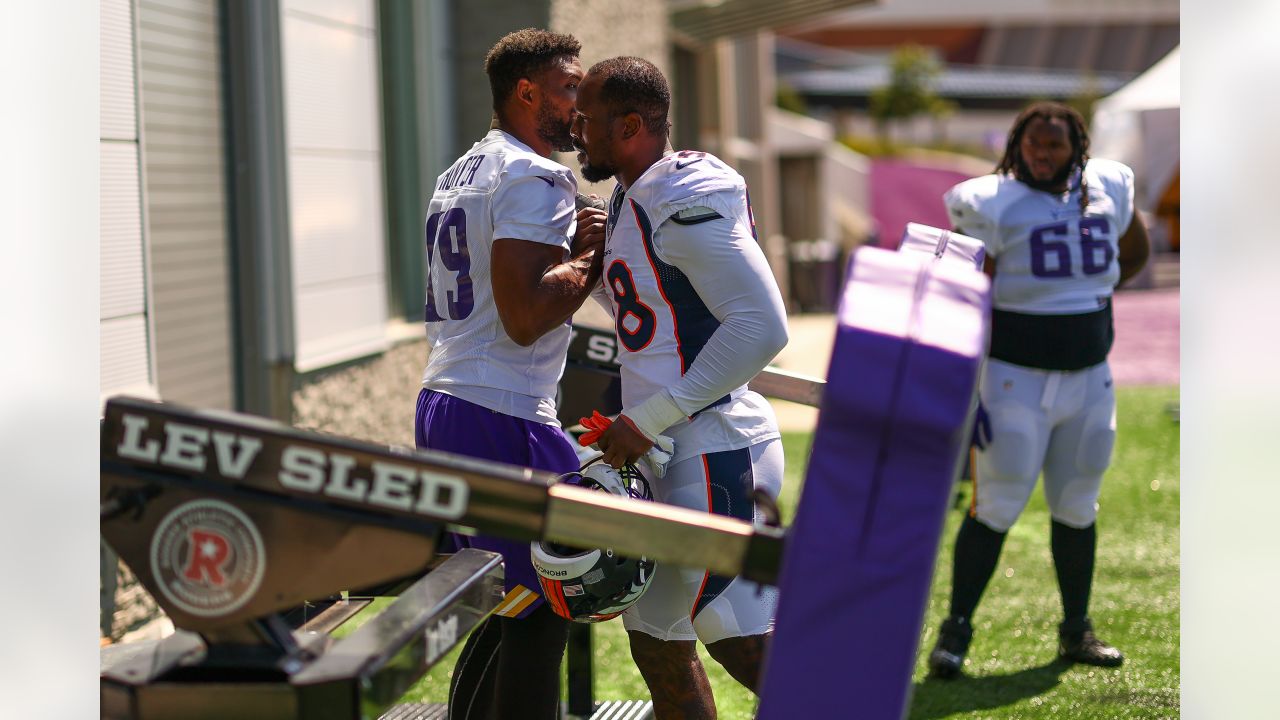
(207, 557)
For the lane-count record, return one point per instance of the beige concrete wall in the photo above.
(608, 29)
(476, 26)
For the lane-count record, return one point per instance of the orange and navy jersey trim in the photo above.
(646, 234)
(692, 322)
(729, 482)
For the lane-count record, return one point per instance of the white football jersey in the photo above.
(500, 189)
(681, 258)
(1050, 260)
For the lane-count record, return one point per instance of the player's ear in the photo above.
(525, 91)
(631, 124)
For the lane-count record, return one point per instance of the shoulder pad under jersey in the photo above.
(522, 164)
(973, 206)
(1110, 174)
(684, 180)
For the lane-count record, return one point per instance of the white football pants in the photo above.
(688, 604)
(1063, 423)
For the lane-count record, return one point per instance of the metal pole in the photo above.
(259, 206)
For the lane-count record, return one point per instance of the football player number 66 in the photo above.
(1051, 253)
(447, 233)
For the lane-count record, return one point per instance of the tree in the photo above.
(912, 70)
(789, 99)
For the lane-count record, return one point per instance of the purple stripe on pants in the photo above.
(454, 425)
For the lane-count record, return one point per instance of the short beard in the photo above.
(596, 173)
(1053, 184)
(554, 130)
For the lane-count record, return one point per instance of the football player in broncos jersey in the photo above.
(697, 314)
(508, 264)
(1061, 233)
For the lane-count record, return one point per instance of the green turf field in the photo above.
(1012, 672)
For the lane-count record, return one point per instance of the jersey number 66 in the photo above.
(1050, 242)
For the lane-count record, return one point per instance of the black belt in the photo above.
(1052, 342)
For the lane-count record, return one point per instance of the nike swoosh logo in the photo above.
(546, 180)
(685, 164)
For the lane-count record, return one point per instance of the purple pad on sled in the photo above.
(943, 245)
(892, 429)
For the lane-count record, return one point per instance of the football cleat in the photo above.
(953, 643)
(1077, 643)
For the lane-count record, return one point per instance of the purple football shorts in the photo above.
(454, 425)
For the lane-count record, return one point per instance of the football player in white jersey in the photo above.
(698, 314)
(1061, 233)
(508, 264)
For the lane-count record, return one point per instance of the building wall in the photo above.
(824, 191)
(477, 25)
(846, 182)
(1097, 36)
(608, 29)
(336, 199)
(931, 12)
(741, 77)
(184, 157)
(124, 330)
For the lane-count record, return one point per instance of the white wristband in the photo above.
(655, 414)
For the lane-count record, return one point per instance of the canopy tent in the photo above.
(1138, 125)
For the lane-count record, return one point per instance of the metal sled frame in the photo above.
(248, 662)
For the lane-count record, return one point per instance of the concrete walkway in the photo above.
(1146, 351)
